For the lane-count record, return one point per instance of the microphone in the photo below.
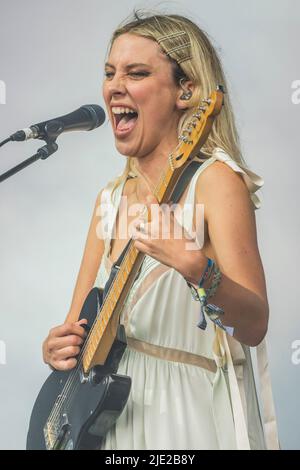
(85, 118)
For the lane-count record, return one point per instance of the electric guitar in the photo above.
(75, 409)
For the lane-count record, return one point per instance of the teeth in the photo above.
(117, 110)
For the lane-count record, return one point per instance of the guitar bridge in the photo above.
(58, 436)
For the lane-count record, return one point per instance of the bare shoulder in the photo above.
(220, 186)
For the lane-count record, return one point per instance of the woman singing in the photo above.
(192, 388)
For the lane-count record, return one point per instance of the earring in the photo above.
(186, 96)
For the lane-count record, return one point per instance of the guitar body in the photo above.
(93, 403)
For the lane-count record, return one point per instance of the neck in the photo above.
(152, 167)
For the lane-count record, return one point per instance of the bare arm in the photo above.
(231, 224)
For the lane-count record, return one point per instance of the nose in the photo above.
(116, 85)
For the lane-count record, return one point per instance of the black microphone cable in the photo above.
(5, 141)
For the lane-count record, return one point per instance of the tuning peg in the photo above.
(188, 129)
(207, 101)
(185, 139)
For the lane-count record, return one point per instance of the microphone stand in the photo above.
(42, 153)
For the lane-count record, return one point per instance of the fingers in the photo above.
(140, 229)
(160, 226)
(66, 353)
(68, 329)
(63, 359)
(83, 321)
(64, 365)
(63, 344)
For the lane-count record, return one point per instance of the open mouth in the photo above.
(125, 121)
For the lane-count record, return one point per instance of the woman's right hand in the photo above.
(62, 345)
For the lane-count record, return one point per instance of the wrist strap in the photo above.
(207, 271)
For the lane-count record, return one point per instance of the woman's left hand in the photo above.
(168, 242)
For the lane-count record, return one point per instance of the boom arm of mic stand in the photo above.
(42, 153)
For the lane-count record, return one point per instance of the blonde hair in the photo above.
(198, 62)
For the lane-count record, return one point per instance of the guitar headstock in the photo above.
(197, 129)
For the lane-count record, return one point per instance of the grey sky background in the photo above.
(51, 60)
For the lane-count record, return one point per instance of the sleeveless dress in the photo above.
(191, 389)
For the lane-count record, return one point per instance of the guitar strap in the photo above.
(180, 186)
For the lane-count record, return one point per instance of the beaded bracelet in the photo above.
(215, 282)
(210, 291)
(207, 272)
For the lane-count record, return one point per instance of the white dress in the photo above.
(174, 402)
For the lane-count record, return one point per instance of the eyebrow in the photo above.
(129, 66)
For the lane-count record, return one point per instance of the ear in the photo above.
(186, 86)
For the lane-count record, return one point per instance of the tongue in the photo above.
(127, 122)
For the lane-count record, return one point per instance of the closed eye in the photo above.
(140, 74)
(133, 74)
